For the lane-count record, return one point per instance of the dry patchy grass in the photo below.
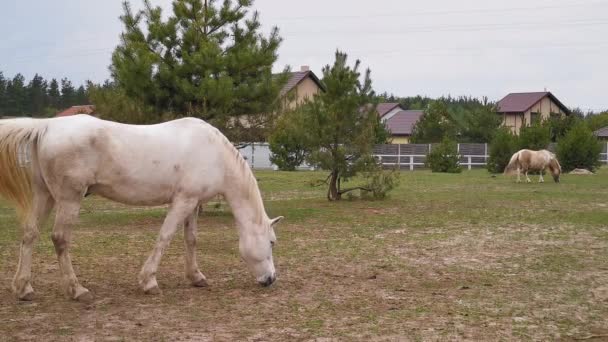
(447, 257)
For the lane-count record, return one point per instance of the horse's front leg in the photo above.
(67, 214)
(541, 179)
(192, 271)
(180, 209)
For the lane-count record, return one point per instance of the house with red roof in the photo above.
(401, 125)
(301, 85)
(519, 109)
(399, 122)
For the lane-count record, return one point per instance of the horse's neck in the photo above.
(243, 195)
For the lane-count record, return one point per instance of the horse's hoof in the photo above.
(85, 297)
(154, 290)
(200, 283)
(28, 297)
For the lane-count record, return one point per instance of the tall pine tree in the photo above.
(207, 59)
(16, 94)
(3, 98)
(37, 96)
(54, 95)
(68, 93)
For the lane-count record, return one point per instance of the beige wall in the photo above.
(306, 89)
(545, 107)
(400, 140)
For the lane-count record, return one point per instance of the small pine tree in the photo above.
(579, 149)
(502, 148)
(444, 157)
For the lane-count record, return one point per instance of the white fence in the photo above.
(401, 156)
(413, 156)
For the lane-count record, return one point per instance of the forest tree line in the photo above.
(38, 97)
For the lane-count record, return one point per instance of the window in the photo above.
(534, 117)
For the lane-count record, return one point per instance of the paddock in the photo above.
(446, 257)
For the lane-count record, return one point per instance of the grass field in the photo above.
(446, 257)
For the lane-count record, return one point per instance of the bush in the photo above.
(534, 137)
(502, 148)
(380, 182)
(287, 145)
(579, 149)
(444, 157)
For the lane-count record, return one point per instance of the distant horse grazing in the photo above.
(526, 160)
(53, 163)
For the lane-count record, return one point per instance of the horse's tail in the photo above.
(18, 144)
(512, 164)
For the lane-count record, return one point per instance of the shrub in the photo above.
(534, 137)
(502, 148)
(579, 149)
(380, 182)
(444, 157)
(287, 145)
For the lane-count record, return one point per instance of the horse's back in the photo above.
(138, 164)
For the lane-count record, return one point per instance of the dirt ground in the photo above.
(447, 257)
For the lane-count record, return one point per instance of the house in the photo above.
(518, 109)
(301, 85)
(398, 121)
(602, 133)
(401, 125)
(82, 109)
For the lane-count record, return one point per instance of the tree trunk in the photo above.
(332, 193)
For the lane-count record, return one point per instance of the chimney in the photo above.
(304, 68)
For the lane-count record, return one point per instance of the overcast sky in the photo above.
(431, 47)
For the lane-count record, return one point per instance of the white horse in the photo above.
(526, 160)
(54, 163)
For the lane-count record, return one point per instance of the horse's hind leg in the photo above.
(67, 214)
(41, 207)
(192, 271)
(180, 209)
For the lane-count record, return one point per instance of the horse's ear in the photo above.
(276, 220)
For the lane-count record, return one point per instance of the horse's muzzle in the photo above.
(268, 280)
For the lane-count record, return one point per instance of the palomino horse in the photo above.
(526, 160)
(53, 163)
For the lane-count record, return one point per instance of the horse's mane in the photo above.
(243, 172)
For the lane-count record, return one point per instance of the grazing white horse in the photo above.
(54, 163)
(526, 160)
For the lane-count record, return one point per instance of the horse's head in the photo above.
(555, 169)
(256, 249)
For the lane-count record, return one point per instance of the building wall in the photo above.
(400, 140)
(545, 107)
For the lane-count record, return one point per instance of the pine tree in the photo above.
(16, 94)
(339, 126)
(68, 93)
(54, 95)
(80, 97)
(206, 59)
(434, 125)
(3, 98)
(37, 97)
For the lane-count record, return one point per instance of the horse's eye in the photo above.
(272, 244)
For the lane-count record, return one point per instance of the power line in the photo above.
(457, 28)
(432, 13)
